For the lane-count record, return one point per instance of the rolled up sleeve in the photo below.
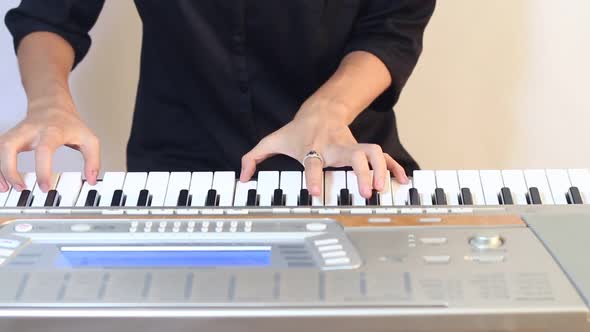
(70, 19)
(393, 32)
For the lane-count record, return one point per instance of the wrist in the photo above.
(326, 110)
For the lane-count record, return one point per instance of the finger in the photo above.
(377, 161)
(3, 184)
(314, 176)
(90, 150)
(360, 165)
(43, 161)
(8, 166)
(250, 160)
(398, 171)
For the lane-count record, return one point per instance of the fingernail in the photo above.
(44, 187)
(3, 187)
(19, 187)
(315, 190)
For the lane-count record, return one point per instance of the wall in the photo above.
(501, 84)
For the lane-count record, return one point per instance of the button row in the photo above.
(233, 226)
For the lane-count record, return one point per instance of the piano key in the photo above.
(425, 183)
(278, 198)
(315, 200)
(51, 199)
(344, 198)
(492, 183)
(225, 183)
(86, 188)
(449, 182)
(514, 180)
(118, 199)
(143, 198)
(291, 185)
(471, 179)
(334, 181)
(580, 178)
(268, 182)
(537, 178)
(560, 184)
(4, 196)
(353, 189)
(68, 188)
(91, 198)
(14, 196)
(414, 197)
(574, 196)
(39, 196)
(506, 196)
(466, 196)
(440, 197)
(201, 182)
(304, 198)
(401, 192)
(183, 198)
(242, 189)
(25, 199)
(177, 182)
(157, 185)
(134, 183)
(252, 199)
(111, 182)
(534, 196)
(386, 195)
(212, 198)
(375, 198)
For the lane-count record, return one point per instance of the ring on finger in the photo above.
(313, 155)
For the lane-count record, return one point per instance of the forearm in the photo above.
(359, 80)
(45, 61)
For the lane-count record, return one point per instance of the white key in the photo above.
(4, 196)
(560, 184)
(68, 188)
(514, 180)
(86, 187)
(581, 178)
(201, 183)
(134, 183)
(177, 182)
(425, 183)
(224, 183)
(471, 179)
(29, 180)
(291, 186)
(241, 197)
(386, 195)
(353, 187)
(111, 182)
(449, 182)
(268, 181)
(157, 185)
(538, 179)
(401, 192)
(39, 196)
(492, 183)
(316, 200)
(334, 182)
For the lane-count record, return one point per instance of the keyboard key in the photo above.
(515, 181)
(414, 197)
(425, 183)
(537, 178)
(4, 196)
(111, 182)
(201, 182)
(212, 198)
(334, 181)
(580, 178)
(375, 199)
(144, 198)
(157, 185)
(51, 199)
(534, 196)
(470, 179)
(448, 181)
(386, 195)
(183, 198)
(440, 198)
(91, 198)
(68, 188)
(177, 182)
(304, 198)
(401, 192)
(134, 183)
(291, 185)
(315, 200)
(225, 183)
(242, 189)
(344, 198)
(574, 196)
(353, 189)
(252, 199)
(466, 196)
(278, 198)
(117, 200)
(25, 199)
(506, 196)
(560, 184)
(492, 183)
(86, 188)
(14, 196)
(39, 196)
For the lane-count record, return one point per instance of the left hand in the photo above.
(322, 126)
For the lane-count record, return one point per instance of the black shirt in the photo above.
(219, 75)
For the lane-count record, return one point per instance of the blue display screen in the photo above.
(163, 258)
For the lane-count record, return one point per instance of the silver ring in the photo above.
(313, 154)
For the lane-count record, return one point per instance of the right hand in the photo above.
(47, 126)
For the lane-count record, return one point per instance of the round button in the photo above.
(23, 228)
(486, 242)
(80, 228)
(316, 227)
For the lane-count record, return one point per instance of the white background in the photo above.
(501, 84)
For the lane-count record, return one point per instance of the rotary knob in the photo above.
(483, 242)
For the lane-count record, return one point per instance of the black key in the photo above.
(91, 198)
(183, 198)
(345, 198)
(534, 196)
(144, 198)
(252, 199)
(117, 199)
(375, 199)
(278, 199)
(414, 197)
(211, 198)
(51, 199)
(25, 199)
(506, 196)
(440, 198)
(304, 198)
(466, 197)
(574, 196)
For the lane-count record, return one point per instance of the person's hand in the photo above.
(319, 126)
(48, 125)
